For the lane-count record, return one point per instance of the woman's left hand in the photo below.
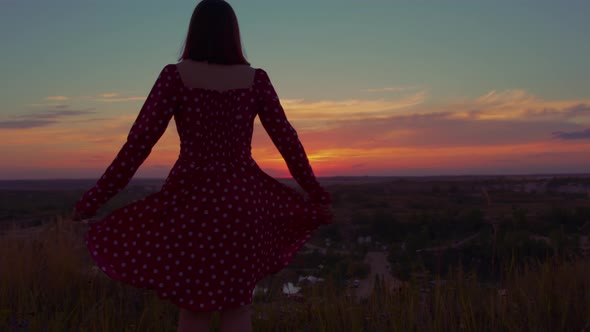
(79, 217)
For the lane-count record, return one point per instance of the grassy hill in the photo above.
(467, 254)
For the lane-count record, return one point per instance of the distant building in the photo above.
(309, 279)
(290, 289)
(259, 290)
(364, 240)
(571, 188)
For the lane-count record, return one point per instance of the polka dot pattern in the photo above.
(219, 224)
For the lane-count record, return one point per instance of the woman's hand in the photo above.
(326, 210)
(79, 217)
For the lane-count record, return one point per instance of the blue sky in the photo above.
(451, 51)
(313, 49)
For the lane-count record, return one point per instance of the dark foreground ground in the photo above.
(404, 254)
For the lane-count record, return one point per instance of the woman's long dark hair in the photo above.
(214, 35)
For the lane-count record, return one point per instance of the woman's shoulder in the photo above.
(261, 75)
(170, 67)
(169, 71)
(260, 70)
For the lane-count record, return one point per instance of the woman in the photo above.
(219, 224)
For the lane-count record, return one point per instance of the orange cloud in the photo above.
(392, 89)
(111, 99)
(57, 98)
(514, 104)
(114, 97)
(349, 109)
(108, 95)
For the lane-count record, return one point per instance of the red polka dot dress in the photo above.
(219, 224)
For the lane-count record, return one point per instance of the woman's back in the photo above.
(196, 74)
(215, 124)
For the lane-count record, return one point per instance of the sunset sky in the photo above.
(424, 87)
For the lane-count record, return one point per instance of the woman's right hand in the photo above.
(79, 217)
(326, 211)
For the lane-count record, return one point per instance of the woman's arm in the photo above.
(285, 138)
(147, 129)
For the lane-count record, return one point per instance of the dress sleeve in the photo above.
(285, 138)
(147, 129)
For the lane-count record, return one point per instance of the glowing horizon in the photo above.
(421, 138)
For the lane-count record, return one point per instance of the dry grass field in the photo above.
(49, 284)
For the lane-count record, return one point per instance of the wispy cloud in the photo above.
(392, 89)
(115, 97)
(518, 104)
(510, 97)
(57, 98)
(349, 109)
(508, 117)
(50, 105)
(484, 121)
(42, 118)
(112, 99)
(54, 114)
(573, 134)
(24, 124)
(108, 95)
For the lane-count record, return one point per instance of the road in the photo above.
(321, 249)
(379, 266)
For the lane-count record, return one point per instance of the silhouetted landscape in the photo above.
(394, 241)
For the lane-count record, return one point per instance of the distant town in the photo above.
(387, 230)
